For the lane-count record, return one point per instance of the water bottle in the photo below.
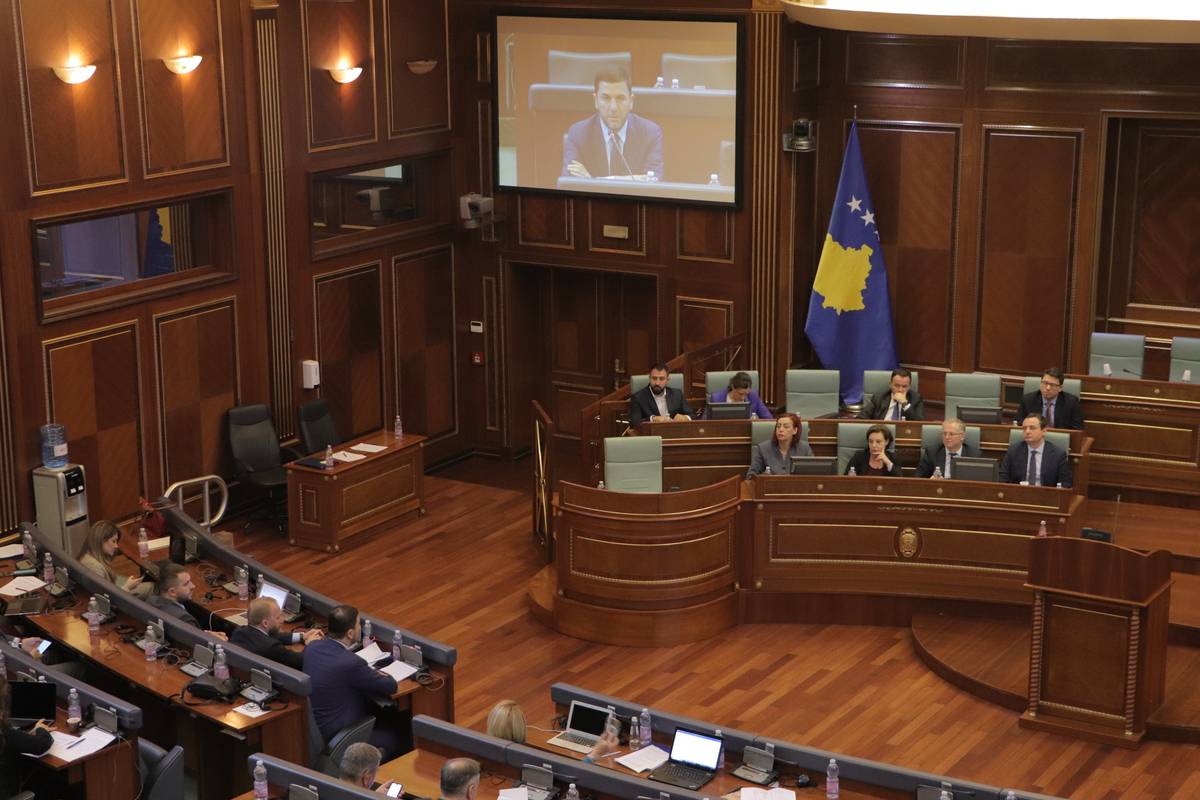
(27, 544)
(572, 792)
(54, 446)
(946, 795)
(220, 667)
(645, 730)
(937, 472)
(650, 175)
(143, 543)
(1107, 370)
(1186, 377)
(396, 655)
(714, 179)
(243, 582)
(1042, 532)
(93, 617)
(151, 647)
(674, 83)
(73, 710)
(328, 455)
(635, 734)
(48, 569)
(767, 470)
(720, 752)
(398, 428)
(260, 781)
(831, 781)
(853, 473)
(1010, 795)
(366, 632)
(600, 485)
(658, 83)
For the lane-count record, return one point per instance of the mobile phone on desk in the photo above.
(44, 646)
(395, 789)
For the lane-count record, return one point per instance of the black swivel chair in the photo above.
(317, 427)
(258, 460)
(162, 771)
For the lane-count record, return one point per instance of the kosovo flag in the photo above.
(849, 314)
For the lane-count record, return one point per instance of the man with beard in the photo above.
(261, 635)
(658, 402)
(614, 141)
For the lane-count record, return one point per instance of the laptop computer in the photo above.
(200, 663)
(288, 602)
(693, 760)
(24, 605)
(30, 702)
(585, 726)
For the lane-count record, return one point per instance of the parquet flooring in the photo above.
(460, 575)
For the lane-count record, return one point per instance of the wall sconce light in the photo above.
(75, 72)
(182, 65)
(344, 73)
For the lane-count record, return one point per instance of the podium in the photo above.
(1097, 661)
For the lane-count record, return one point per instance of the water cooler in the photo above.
(60, 499)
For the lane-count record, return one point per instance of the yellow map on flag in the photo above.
(842, 276)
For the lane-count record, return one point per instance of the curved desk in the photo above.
(659, 569)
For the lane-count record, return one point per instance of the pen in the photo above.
(72, 744)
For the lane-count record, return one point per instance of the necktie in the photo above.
(950, 464)
(614, 152)
(1031, 473)
(895, 410)
(1049, 415)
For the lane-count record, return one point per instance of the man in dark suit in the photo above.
(954, 444)
(613, 141)
(658, 402)
(1061, 409)
(898, 401)
(1035, 460)
(173, 595)
(344, 687)
(261, 634)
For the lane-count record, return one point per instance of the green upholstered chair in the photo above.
(763, 429)
(1123, 352)
(1185, 355)
(931, 437)
(971, 389)
(1056, 438)
(633, 464)
(852, 437)
(719, 381)
(639, 382)
(814, 392)
(877, 380)
(1033, 383)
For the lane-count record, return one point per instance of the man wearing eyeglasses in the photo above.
(1061, 409)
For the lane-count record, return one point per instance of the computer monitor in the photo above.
(31, 701)
(980, 415)
(967, 468)
(272, 591)
(814, 465)
(696, 749)
(728, 410)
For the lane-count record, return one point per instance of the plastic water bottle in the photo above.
(243, 582)
(937, 472)
(1186, 377)
(93, 617)
(853, 473)
(650, 176)
(260, 781)
(27, 545)
(328, 455)
(720, 752)
(635, 734)
(832, 792)
(714, 179)
(54, 446)
(645, 729)
(658, 83)
(366, 632)
(220, 666)
(946, 795)
(1042, 532)
(1010, 795)
(398, 428)
(572, 792)
(48, 568)
(396, 655)
(73, 710)
(143, 543)
(150, 645)
(674, 83)
(600, 485)
(767, 470)
(1107, 369)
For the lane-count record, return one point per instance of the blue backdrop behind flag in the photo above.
(849, 314)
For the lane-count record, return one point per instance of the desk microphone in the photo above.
(1131, 372)
(1116, 518)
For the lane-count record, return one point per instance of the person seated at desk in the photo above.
(261, 634)
(506, 720)
(954, 444)
(459, 779)
(738, 391)
(360, 765)
(174, 591)
(344, 687)
(1061, 409)
(98, 552)
(875, 459)
(613, 141)
(775, 454)
(658, 402)
(898, 401)
(1034, 460)
(16, 743)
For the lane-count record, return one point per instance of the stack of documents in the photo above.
(22, 585)
(12, 550)
(649, 757)
(368, 448)
(754, 793)
(66, 747)
(346, 456)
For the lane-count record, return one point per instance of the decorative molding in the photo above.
(336, 144)
(704, 304)
(765, 219)
(568, 240)
(421, 67)
(639, 238)
(9, 513)
(493, 397)
(729, 228)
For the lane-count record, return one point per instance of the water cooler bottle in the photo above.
(60, 498)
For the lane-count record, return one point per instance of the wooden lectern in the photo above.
(1097, 661)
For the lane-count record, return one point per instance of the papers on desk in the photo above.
(519, 793)
(399, 670)
(755, 793)
(66, 747)
(346, 456)
(649, 757)
(159, 543)
(250, 710)
(12, 550)
(364, 447)
(19, 586)
(371, 653)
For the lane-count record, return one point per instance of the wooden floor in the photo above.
(460, 574)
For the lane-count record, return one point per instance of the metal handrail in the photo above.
(177, 488)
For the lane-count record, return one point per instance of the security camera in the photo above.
(802, 138)
(474, 208)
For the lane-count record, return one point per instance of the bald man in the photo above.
(261, 634)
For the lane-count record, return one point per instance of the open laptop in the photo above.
(693, 761)
(288, 602)
(585, 726)
(30, 702)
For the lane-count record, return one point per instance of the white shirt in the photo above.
(617, 168)
(660, 400)
(949, 458)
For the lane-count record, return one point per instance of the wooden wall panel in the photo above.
(575, 322)
(546, 222)
(704, 234)
(567, 404)
(914, 185)
(701, 321)
(183, 116)
(905, 61)
(1029, 201)
(93, 386)
(1166, 225)
(417, 73)
(349, 347)
(74, 132)
(339, 34)
(423, 304)
(630, 216)
(1074, 67)
(196, 353)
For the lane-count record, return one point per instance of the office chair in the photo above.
(711, 72)
(633, 463)
(1033, 383)
(1185, 355)
(971, 389)
(814, 392)
(931, 438)
(877, 380)
(318, 429)
(719, 381)
(852, 437)
(1059, 439)
(566, 67)
(639, 382)
(161, 771)
(329, 760)
(258, 459)
(1123, 352)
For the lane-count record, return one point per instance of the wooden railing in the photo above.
(543, 481)
(609, 416)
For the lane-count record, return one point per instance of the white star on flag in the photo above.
(855, 204)
(868, 218)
